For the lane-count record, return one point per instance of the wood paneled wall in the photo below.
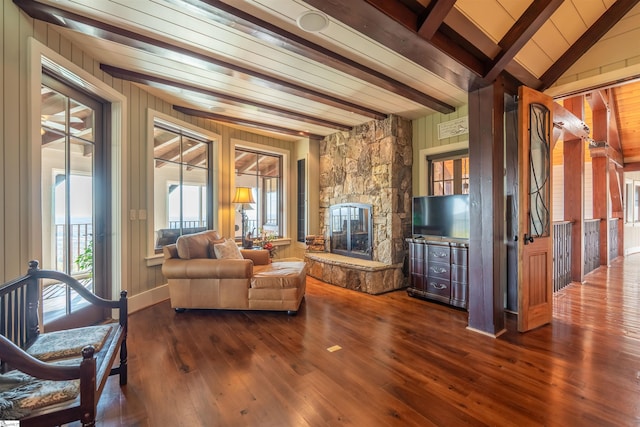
(425, 135)
(15, 163)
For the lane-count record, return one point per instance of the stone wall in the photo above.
(371, 164)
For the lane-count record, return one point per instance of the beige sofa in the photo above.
(197, 279)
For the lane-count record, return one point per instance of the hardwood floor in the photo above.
(402, 362)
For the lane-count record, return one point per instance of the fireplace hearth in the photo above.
(351, 230)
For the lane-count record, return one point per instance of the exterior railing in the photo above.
(81, 236)
(187, 224)
(591, 245)
(613, 238)
(561, 254)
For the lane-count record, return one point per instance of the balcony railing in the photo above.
(81, 236)
(187, 224)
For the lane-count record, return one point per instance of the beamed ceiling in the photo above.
(249, 64)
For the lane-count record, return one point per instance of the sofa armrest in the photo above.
(258, 256)
(206, 268)
(170, 251)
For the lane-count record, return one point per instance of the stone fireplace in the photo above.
(370, 165)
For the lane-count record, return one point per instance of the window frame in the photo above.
(457, 179)
(214, 178)
(285, 185)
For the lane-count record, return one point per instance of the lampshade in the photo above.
(243, 195)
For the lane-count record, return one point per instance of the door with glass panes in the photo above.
(75, 197)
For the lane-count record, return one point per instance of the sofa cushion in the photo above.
(196, 245)
(227, 250)
(279, 275)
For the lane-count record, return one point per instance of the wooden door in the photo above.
(535, 255)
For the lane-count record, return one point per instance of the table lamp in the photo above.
(243, 196)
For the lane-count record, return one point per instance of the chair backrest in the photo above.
(19, 301)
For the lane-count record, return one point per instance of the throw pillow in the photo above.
(212, 252)
(227, 250)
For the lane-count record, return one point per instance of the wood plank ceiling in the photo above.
(250, 64)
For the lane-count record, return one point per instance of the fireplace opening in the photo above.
(351, 230)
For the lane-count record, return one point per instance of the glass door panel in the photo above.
(69, 190)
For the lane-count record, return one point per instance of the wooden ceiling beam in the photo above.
(602, 149)
(436, 12)
(443, 41)
(614, 120)
(92, 27)
(225, 14)
(520, 33)
(246, 123)
(462, 71)
(569, 123)
(467, 30)
(631, 167)
(217, 97)
(606, 21)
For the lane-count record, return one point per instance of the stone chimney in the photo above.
(372, 164)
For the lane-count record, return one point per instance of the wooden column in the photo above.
(574, 190)
(600, 167)
(487, 251)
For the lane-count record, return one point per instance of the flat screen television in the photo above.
(443, 216)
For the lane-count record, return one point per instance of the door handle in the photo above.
(527, 239)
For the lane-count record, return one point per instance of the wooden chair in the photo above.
(20, 335)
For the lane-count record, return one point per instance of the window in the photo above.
(262, 172)
(182, 182)
(448, 173)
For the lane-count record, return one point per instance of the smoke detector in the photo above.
(313, 21)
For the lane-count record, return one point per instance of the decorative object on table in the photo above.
(265, 241)
(244, 197)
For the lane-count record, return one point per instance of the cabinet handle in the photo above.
(440, 254)
(437, 285)
(438, 269)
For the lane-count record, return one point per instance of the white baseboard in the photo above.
(148, 298)
(630, 251)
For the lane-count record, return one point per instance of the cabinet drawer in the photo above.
(459, 274)
(439, 288)
(439, 270)
(439, 254)
(459, 256)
